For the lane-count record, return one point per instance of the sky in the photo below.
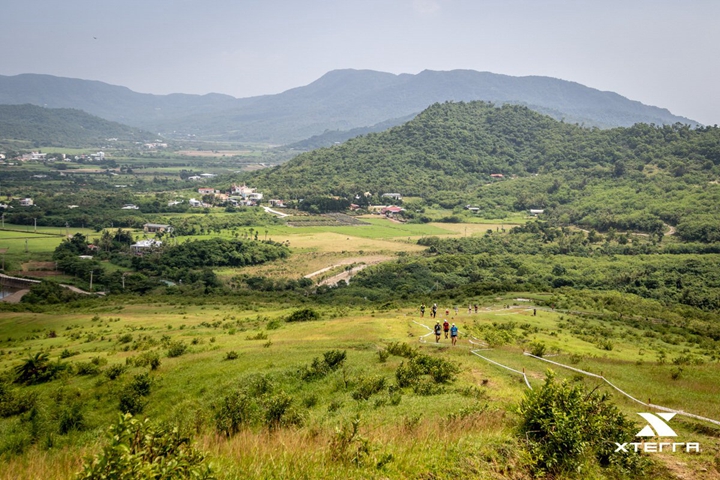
(659, 52)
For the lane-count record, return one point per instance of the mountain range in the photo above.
(339, 101)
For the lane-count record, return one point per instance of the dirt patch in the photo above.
(43, 273)
(36, 266)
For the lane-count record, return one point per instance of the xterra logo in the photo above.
(657, 426)
(655, 421)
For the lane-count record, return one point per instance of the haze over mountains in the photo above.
(341, 100)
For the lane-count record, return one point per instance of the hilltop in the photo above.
(458, 146)
(57, 127)
(340, 100)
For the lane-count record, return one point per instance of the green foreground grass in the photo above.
(462, 430)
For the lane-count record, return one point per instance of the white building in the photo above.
(27, 202)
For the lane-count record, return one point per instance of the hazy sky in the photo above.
(660, 52)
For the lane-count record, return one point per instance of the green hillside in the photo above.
(628, 178)
(60, 127)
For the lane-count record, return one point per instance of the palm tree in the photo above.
(34, 369)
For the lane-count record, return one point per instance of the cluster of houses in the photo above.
(238, 195)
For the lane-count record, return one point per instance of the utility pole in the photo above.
(35, 225)
(91, 279)
(26, 249)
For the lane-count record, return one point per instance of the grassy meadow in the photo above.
(459, 429)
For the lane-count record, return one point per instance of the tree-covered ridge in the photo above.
(457, 146)
(57, 127)
(539, 257)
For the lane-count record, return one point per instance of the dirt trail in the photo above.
(348, 274)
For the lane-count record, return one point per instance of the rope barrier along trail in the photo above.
(474, 352)
(651, 405)
(421, 338)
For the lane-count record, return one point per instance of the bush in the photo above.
(86, 368)
(151, 359)
(140, 450)
(440, 370)
(401, 350)
(15, 402)
(236, 410)
(568, 428)
(303, 315)
(71, 418)
(279, 411)
(115, 371)
(332, 360)
(132, 397)
(368, 386)
(231, 355)
(177, 348)
(537, 348)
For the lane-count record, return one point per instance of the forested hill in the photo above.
(57, 127)
(458, 146)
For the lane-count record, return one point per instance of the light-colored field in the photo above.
(215, 153)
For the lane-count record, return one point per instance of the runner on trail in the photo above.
(434, 310)
(456, 310)
(476, 307)
(454, 334)
(469, 309)
(446, 328)
(438, 332)
(422, 310)
(447, 312)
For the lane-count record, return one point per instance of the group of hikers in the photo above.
(434, 309)
(451, 330)
(445, 327)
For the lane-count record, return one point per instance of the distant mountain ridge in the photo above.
(339, 100)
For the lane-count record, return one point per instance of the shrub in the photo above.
(303, 315)
(537, 348)
(234, 412)
(147, 359)
(567, 428)
(86, 368)
(67, 353)
(15, 402)
(440, 370)
(71, 418)
(231, 355)
(383, 355)
(348, 446)
(115, 371)
(141, 450)
(125, 338)
(332, 360)
(401, 350)
(177, 348)
(258, 336)
(279, 411)
(368, 386)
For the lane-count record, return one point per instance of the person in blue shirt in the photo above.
(454, 334)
